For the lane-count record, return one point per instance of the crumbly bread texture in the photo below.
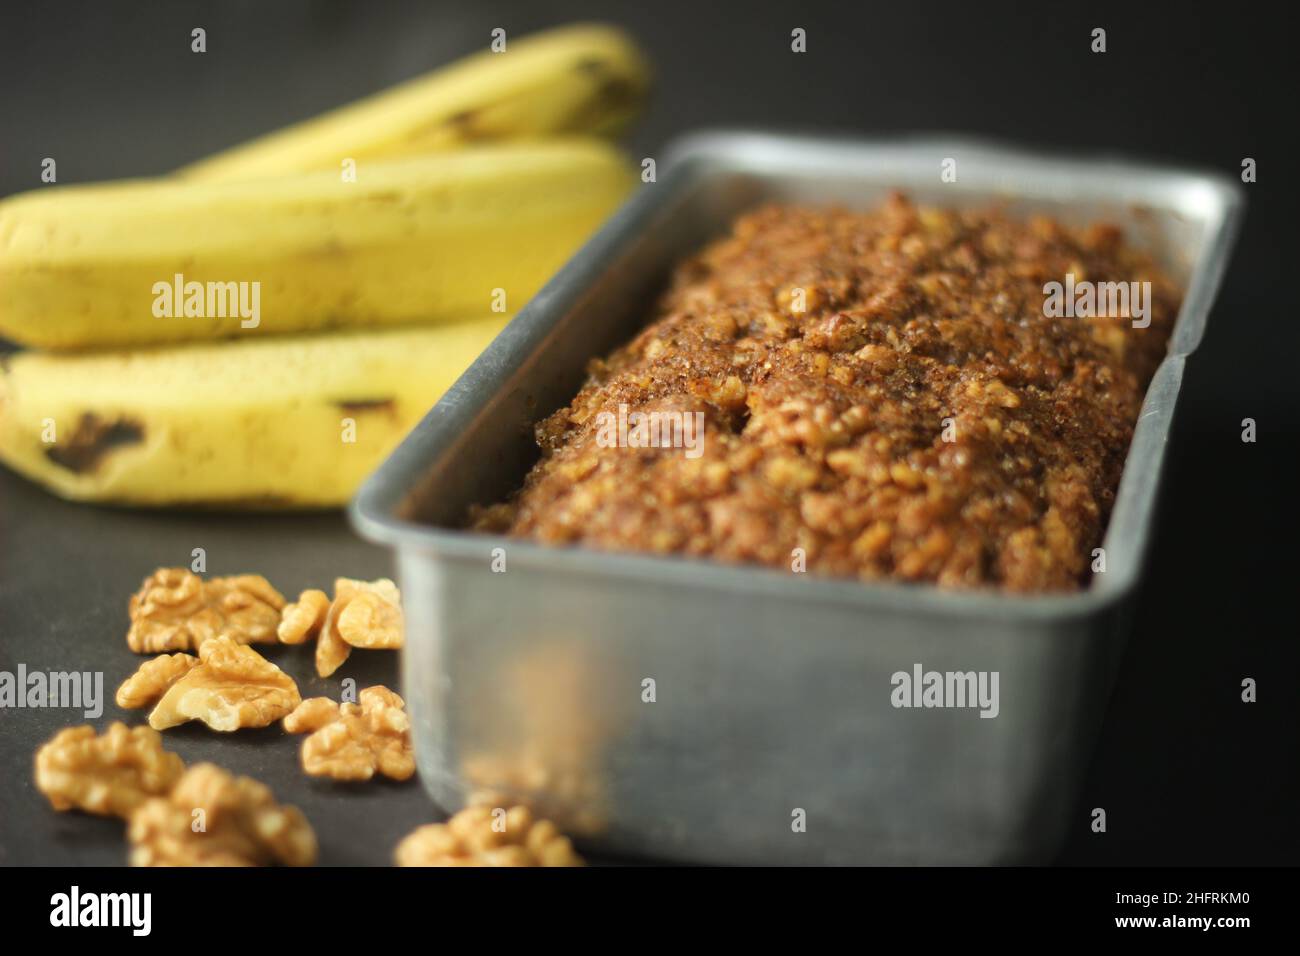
(884, 397)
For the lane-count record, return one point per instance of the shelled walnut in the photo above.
(175, 610)
(370, 613)
(302, 620)
(486, 836)
(111, 774)
(366, 614)
(213, 818)
(232, 687)
(153, 678)
(354, 741)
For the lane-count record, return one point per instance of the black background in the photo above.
(1188, 773)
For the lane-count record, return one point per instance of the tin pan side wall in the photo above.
(533, 684)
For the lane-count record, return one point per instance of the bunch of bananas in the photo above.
(262, 327)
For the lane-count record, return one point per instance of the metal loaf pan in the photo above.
(772, 690)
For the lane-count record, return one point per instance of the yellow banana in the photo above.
(586, 78)
(419, 240)
(275, 422)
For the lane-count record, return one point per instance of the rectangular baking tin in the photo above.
(768, 733)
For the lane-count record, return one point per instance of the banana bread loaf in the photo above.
(891, 394)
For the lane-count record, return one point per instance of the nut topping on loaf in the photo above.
(886, 395)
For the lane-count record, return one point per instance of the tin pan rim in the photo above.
(377, 509)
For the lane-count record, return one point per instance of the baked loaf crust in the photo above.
(920, 419)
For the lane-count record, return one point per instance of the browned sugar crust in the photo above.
(825, 429)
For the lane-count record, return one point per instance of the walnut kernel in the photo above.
(364, 614)
(152, 679)
(371, 615)
(353, 741)
(240, 825)
(331, 649)
(302, 620)
(232, 687)
(110, 774)
(311, 715)
(175, 610)
(484, 836)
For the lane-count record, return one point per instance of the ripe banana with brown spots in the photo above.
(426, 240)
(275, 422)
(585, 79)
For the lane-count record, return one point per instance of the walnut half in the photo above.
(302, 620)
(370, 613)
(175, 610)
(110, 774)
(484, 836)
(152, 679)
(354, 741)
(213, 818)
(232, 687)
(364, 614)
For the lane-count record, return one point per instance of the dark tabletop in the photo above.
(1188, 773)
